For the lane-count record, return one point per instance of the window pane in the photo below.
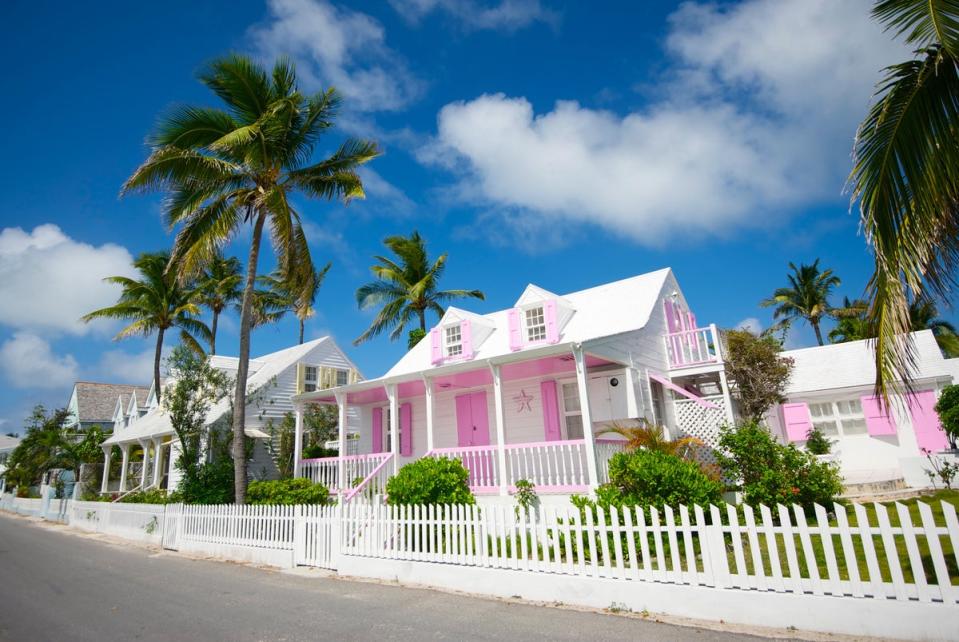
(814, 410)
(309, 373)
(571, 397)
(574, 427)
(342, 377)
(453, 340)
(854, 426)
(535, 324)
(829, 428)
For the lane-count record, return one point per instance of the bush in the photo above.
(287, 492)
(318, 451)
(211, 484)
(948, 409)
(653, 478)
(431, 481)
(817, 443)
(772, 473)
(146, 497)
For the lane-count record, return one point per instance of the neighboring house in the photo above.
(132, 405)
(94, 404)
(522, 393)
(273, 380)
(832, 387)
(7, 445)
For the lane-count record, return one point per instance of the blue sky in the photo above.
(561, 144)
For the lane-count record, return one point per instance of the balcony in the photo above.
(692, 348)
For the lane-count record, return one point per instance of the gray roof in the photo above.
(8, 443)
(97, 401)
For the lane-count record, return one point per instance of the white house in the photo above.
(522, 393)
(273, 380)
(95, 404)
(831, 387)
(7, 445)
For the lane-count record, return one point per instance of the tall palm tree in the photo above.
(852, 322)
(220, 288)
(923, 315)
(406, 287)
(155, 303)
(807, 296)
(282, 295)
(223, 169)
(905, 177)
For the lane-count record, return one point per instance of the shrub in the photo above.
(948, 409)
(211, 484)
(758, 372)
(653, 478)
(318, 451)
(817, 443)
(430, 481)
(772, 473)
(526, 497)
(287, 492)
(146, 497)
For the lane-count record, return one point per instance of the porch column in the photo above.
(125, 448)
(145, 445)
(107, 453)
(157, 458)
(341, 462)
(633, 404)
(500, 429)
(587, 416)
(394, 425)
(298, 440)
(428, 385)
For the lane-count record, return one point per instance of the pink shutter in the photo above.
(925, 421)
(436, 346)
(552, 323)
(466, 338)
(550, 410)
(878, 421)
(692, 321)
(796, 420)
(406, 430)
(669, 307)
(515, 330)
(464, 421)
(377, 430)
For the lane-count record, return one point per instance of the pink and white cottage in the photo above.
(522, 393)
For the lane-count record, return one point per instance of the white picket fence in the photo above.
(140, 522)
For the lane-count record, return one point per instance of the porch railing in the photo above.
(605, 449)
(696, 347)
(326, 470)
(552, 466)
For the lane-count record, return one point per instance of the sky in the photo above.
(534, 141)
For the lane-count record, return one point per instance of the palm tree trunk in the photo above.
(815, 326)
(301, 331)
(422, 315)
(216, 317)
(243, 367)
(156, 362)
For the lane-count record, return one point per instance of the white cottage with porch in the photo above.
(522, 393)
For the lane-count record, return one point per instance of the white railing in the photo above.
(694, 347)
(231, 525)
(326, 470)
(605, 449)
(375, 483)
(552, 466)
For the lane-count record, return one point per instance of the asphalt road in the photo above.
(56, 585)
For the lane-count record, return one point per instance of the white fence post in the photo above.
(299, 535)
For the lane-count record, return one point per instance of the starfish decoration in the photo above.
(523, 399)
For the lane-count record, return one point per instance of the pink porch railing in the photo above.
(695, 347)
(326, 470)
(552, 466)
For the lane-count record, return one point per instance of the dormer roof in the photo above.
(535, 294)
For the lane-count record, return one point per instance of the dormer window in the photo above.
(309, 378)
(535, 318)
(453, 341)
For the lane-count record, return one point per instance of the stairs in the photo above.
(879, 490)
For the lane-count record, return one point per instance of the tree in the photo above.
(294, 296)
(220, 288)
(225, 168)
(852, 323)
(947, 407)
(758, 373)
(156, 303)
(905, 177)
(647, 436)
(807, 296)
(923, 315)
(406, 287)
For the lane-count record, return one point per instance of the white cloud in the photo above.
(28, 361)
(750, 323)
(756, 117)
(383, 195)
(48, 280)
(130, 367)
(339, 47)
(505, 15)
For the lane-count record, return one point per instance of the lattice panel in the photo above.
(694, 420)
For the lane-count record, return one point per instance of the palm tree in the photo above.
(649, 436)
(406, 288)
(923, 315)
(219, 288)
(155, 303)
(905, 177)
(852, 322)
(281, 296)
(807, 296)
(225, 168)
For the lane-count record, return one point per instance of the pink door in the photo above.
(472, 420)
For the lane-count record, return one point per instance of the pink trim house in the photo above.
(522, 393)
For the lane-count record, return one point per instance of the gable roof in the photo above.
(600, 311)
(97, 401)
(8, 443)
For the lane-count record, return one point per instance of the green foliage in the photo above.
(430, 481)
(146, 497)
(220, 286)
(211, 484)
(948, 409)
(758, 373)
(281, 444)
(287, 492)
(317, 451)
(771, 473)
(817, 443)
(415, 336)
(653, 478)
(526, 497)
(807, 296)
(294, 294)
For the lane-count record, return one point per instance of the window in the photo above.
(572, 411)
(535, 324)
(835, 418)
(453, 340)
(309, 378)
(342, 377)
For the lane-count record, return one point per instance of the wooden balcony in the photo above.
(695, 347)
